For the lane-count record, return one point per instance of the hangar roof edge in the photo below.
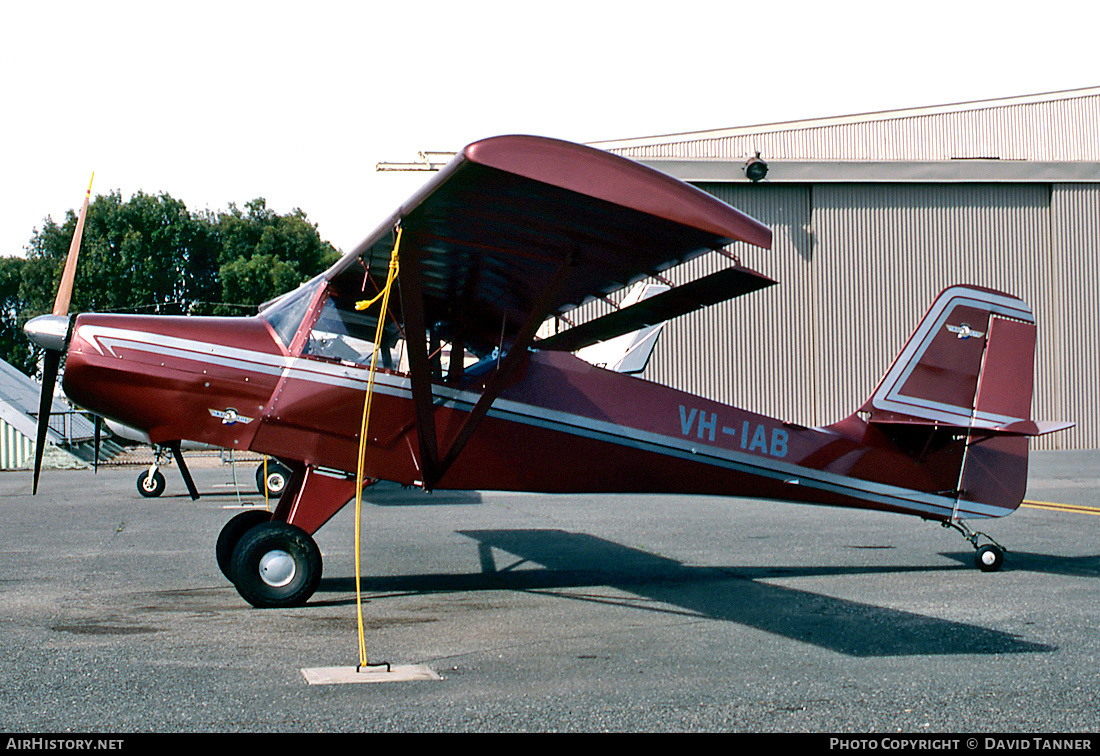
(859, 118)
(719, 170)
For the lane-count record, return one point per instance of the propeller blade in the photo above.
(65, 288)
(98, 436)
(51, 333)
(50, 363)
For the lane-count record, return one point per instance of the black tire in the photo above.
(231, 535)
(276, 565)
(151, 486)
(989, 558)
(278, 475)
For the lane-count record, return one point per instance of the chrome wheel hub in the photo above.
(277, 568)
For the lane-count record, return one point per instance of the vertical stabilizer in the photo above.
(968, 364)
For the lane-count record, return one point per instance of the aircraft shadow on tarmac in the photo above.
(386, 494)
(734, 594)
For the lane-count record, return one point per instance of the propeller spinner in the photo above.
(51, 332)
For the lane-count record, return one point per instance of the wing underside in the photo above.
(511, 214)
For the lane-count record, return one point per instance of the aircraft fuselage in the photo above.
(562, 425)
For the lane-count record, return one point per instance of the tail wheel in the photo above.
(276, 565)
(231, 535)
(151, 486)
(989, 558)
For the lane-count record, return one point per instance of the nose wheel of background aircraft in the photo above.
(277, 476)
(151, 483)
(988, 557)
(276, 565)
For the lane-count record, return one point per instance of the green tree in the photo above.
(254, 280)
(14, 346)
(264, 254)
(146, 254)
(151, 254)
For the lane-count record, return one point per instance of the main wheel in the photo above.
(231, 535)
(151, 485)
(276, 565)
(989, 558)
(277, 477)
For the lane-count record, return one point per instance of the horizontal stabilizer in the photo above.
(708, 290)
(1035, 428)
(1018, 428)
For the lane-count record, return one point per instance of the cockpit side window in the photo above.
(343, 333)
(340, 334)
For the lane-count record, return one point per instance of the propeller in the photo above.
(98, 438)
(51, 332)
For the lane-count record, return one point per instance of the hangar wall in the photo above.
(858, 265)
(1075, 329)
(1056, 126)
(874, 215)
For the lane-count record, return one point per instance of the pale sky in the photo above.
(219, 102)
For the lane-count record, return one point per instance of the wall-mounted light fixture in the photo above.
(755, 169)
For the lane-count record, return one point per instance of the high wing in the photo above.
(510, 215)
(516, 229)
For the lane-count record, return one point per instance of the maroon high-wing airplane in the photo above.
(515, 230)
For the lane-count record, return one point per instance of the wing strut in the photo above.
(433, 465)
(412, 303)
(511, 361)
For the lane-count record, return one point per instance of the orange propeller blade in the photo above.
(65, 288)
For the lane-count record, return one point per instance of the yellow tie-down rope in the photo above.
(384, 295)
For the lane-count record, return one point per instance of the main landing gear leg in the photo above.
(272, 559)
(988, 557)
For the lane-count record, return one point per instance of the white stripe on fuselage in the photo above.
(107, 339)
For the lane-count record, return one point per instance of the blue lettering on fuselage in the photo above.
(753, 437)
(686, 420)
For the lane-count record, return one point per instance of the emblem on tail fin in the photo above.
(964, 331)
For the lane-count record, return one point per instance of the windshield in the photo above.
(341, 333)
(286, 313)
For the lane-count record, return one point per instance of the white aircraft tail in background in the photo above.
(630, 352)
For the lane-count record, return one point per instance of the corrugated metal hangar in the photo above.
(873, 216)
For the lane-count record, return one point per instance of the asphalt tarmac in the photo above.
(552, 613)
